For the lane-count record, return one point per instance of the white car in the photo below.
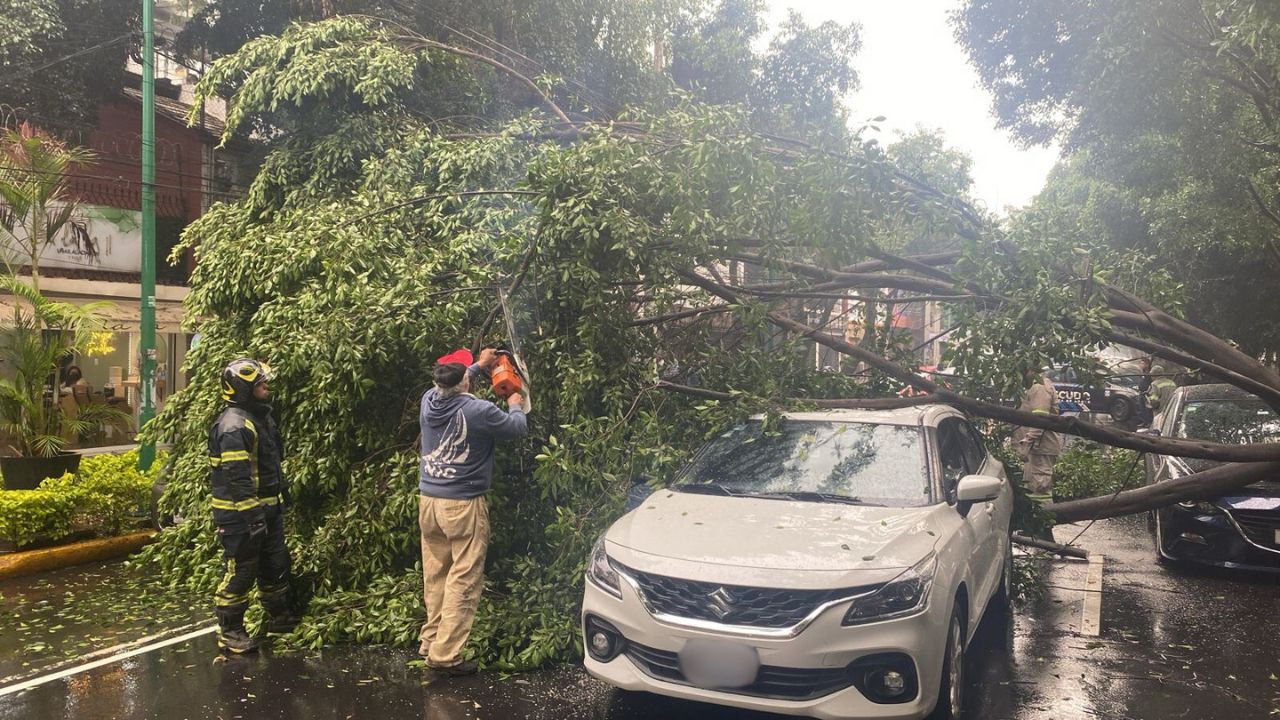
(834, 564)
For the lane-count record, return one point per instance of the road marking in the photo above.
(112, 655)
(1091, 614)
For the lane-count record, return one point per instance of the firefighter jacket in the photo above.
(1039, 399)
(1162, 386)
(244, 466)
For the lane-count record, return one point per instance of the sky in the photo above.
(913, 72)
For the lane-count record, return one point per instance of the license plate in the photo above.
(710, 664)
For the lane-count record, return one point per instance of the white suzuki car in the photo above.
(834, 565)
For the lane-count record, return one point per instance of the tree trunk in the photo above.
(1198, 486)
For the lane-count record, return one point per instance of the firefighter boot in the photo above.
(280, 619)
(231, 634)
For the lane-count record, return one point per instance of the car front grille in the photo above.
(771, 682)
(771, 608)
(1259, 526)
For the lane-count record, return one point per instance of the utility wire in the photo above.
(64, 58)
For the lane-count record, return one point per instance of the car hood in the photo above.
(685, 531)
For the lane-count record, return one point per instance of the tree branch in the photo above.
(1198, 486)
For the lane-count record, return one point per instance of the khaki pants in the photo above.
(1037, 476)
(455, 537)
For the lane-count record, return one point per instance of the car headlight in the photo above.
(904, 595)
(601, 571)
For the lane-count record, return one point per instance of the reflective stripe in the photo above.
(1039, 497)
(220, 504)
(224, 600)
(1041, 412)
(273, 500)
(233, 455)
(215, 461)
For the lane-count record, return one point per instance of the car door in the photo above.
(961, 456)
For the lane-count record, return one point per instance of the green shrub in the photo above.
(29, 514)
(106, 495)
(1087, 470)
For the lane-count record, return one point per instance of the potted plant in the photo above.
(36, 204)
(41, 333)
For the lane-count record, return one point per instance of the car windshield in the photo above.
(816, 461)
(1235, 421)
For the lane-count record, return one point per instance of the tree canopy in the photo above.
(646, 252)
(1168, 110)
(60, 58)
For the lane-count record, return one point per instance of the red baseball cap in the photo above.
(457, 356)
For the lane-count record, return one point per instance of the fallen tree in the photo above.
(642, 256)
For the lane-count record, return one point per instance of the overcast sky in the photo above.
(913, 72)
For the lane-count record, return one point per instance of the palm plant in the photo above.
(41, 334)
(35, 196)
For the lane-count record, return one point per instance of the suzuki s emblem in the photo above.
(721, 603)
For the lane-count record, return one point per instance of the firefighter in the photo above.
(1039, 448)
(1163, 383)
(249, 496)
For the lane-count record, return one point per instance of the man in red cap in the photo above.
(455, 471)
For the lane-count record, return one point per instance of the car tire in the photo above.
(1120, 409)
(951, 690)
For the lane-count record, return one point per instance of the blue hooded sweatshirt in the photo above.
(458, 432)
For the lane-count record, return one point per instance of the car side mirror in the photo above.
(640, 490)
(978, 488)
(1152, 432)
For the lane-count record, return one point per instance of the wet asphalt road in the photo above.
(1173, 645)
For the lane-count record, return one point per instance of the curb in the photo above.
(34, 561)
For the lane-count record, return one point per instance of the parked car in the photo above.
(1239, 530)
(1119, 397)
(835, 565)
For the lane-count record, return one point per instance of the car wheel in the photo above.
(1120, 409)
(951, 692)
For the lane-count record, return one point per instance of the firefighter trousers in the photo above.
(247, 560)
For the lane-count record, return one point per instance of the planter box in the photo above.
(25, 473)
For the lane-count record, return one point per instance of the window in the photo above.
(951, 453)
(975, 453)
(879, 464)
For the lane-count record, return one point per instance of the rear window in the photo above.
(879, 464)
(1234, 421)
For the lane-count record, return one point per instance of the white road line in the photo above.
(1091, 613)
(113, 655)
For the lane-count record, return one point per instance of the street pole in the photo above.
(147, 303)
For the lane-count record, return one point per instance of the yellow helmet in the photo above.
(240, 376)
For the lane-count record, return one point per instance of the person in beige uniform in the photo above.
(1039, 448)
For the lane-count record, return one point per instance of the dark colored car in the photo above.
(1118, 397)
(1239, 530)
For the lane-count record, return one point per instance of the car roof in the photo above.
(916, 415)
(1214, 391)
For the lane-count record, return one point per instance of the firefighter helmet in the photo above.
(240, 376)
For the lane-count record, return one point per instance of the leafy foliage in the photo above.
(62, 57)
(1169, 110)
(106, 496)
(26, 515)
(1085, 470)
(374, 241)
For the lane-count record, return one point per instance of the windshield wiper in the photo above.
(705, 489)
(805, 496)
